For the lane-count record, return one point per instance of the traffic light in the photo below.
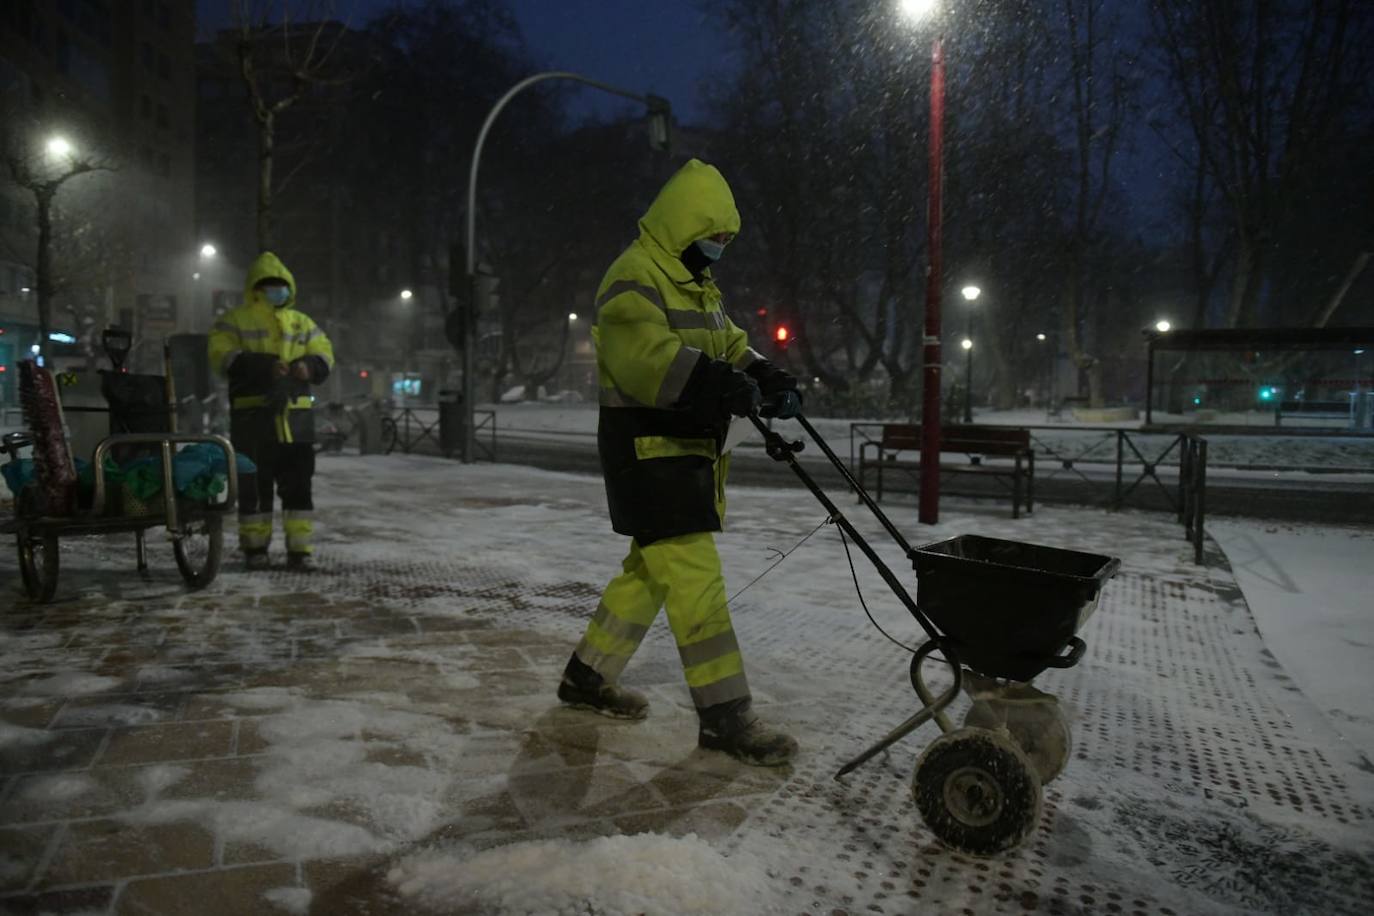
(782, 336)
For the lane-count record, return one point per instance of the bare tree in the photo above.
(43, 178)
(1099, 102)
(280, 62)
(1263, 88)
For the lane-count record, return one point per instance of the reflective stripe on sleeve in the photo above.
(690, 319)
(630, 286)
(675, 379)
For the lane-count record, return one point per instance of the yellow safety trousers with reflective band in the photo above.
(258, 327)
(682, 573)
(300, 530)
(255, 530)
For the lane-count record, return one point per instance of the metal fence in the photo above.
(415, 425)
(1111, 467)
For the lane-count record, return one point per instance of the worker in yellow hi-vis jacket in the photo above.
(271, 354)
(672, 370)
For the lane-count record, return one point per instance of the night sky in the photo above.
(664, 46)
(668, 47)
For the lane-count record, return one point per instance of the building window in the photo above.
(162, 119)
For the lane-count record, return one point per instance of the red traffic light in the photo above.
(363, 373)
(782, 334)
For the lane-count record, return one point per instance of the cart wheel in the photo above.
(198, 550)
(1039, 729)
(38, 563)
(977, 791)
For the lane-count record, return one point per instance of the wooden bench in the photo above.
(900, 440)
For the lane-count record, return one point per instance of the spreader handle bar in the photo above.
(858, 487)
(780, 450)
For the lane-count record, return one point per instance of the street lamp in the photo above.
(407, 295)
(1163, 326)
(971, 293)
(208, 251)
(572, 316)
(967, 344)
(918, 11)
(660, 124)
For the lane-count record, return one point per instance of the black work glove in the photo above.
(716, 390)
(784, 405)
(771, 379)
(741, 396)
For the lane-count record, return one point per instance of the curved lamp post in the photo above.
(659, 112)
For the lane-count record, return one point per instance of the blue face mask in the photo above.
(710, 249)
(277, 296)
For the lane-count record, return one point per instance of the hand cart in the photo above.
(999, 613)
(47, 509)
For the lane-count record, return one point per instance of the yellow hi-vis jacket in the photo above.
(657, 329)
(264, 334)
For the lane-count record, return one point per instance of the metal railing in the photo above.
(1129, 461)
(412, 429)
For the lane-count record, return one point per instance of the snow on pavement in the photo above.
(1309, 589)
(382, 733)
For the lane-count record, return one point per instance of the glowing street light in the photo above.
(572, 316)
(1039, 336)
(918, 10)
(208, 251)
(1163, 326)
(59, 146)
(971, 293)
(407, 294)
(966, 344)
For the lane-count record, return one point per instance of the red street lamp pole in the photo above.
(930, 382)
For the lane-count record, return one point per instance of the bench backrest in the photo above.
(970, 439)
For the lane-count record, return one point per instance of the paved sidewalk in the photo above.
(310, 743)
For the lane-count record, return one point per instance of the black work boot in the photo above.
(299, 562)
(734, 728)
(256, 560)
(583, 688)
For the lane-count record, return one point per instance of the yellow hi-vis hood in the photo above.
(268, 266)
(695, 203)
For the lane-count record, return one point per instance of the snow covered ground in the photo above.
(1311, 591)
(381, 735)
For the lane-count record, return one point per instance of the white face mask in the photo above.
(710, 248)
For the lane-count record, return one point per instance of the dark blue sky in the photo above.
(659, 46)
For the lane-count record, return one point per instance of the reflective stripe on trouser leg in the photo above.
(689, 568)
(299, 528)
(628, 606)
(255, 530)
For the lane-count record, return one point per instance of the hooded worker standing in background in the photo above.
(672, 370)
(271, 353)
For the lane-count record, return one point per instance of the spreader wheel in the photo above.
(1038, 728)
(977, 791)
(38, 562)
(198, 550)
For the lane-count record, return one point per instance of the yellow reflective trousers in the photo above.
(682, 573)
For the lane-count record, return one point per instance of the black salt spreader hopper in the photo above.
(999, 613)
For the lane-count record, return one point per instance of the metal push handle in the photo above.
(781, 450)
